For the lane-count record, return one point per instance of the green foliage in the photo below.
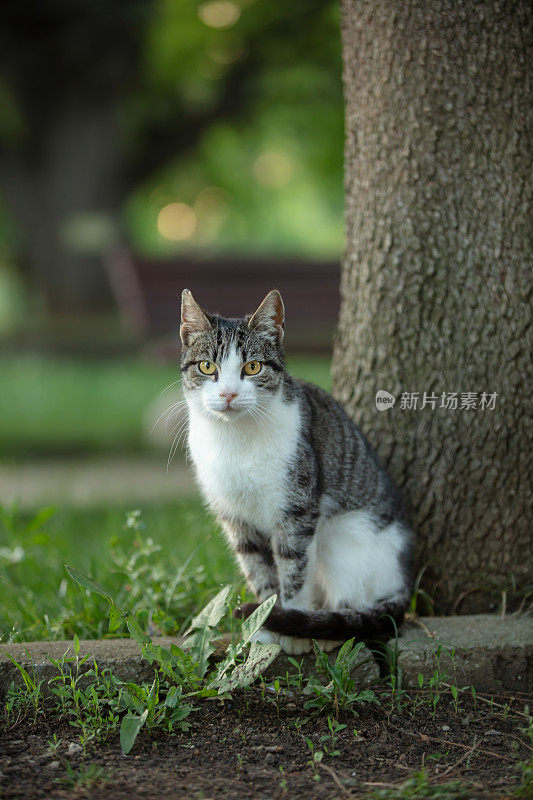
(160, 582)
(230, 674)
(200, 633)
(186, 670)
(79, 692)
(339, 692)
(315, 760)
(331, 737)
(283, 61)
(154, 706)
(28, 698)
(86, 696)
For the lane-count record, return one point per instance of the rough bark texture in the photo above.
(436, 282)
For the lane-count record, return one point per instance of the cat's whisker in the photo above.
(173, 449)
(179, 425)
(170, 385)
(171, 416)
(169, 411)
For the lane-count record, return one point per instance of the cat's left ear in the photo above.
(270, 316)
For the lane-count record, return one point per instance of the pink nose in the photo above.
(228, 395)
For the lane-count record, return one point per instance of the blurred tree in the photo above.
(100, 97)
(436, 280)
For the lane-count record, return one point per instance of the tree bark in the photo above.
(436, 279)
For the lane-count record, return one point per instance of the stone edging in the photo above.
(483, 650)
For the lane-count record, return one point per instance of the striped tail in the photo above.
(379, 622)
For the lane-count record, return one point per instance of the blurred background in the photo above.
(147, 146)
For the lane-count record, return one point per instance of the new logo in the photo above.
(384, 400)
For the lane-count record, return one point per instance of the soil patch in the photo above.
(255, 747)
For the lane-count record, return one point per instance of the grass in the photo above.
(98, 704)
(165, 570)
(64, 407)
(142, 590)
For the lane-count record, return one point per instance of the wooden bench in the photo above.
(148, 292)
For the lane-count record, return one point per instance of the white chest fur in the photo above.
(242, 466)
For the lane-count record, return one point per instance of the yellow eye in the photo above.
(252, 367)
(207, 367)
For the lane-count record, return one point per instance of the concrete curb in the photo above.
(481, 650)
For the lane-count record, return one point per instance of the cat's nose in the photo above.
(228, 395)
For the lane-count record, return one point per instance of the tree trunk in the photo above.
(63, 197)
(436, 280)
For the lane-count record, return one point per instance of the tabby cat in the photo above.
(304, 502)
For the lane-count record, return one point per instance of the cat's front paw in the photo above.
(327, 645)
(291, 645)
(294, 646)
(265, 637)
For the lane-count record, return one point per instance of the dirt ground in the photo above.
(249, 748)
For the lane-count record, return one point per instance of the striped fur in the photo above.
(303, 500)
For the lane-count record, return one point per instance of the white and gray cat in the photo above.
(304, 502)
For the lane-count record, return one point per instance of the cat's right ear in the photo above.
(193, 319)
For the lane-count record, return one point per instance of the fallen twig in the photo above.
(426, 737)
(417, 621)
(335, 778)
(459, 760)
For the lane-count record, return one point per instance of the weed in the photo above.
(421, 594)
(87, 696)
(455, 694)
(397, 694)
(240, 764)
(54, 743)
(84, 777)
(331, 737)
(185, 670)
(339, 693)
(295, 680)
(316, 758)
(28, 698)
(299, 723)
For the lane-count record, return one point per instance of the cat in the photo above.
(309, 511)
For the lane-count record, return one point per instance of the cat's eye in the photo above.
(252, 367)
(207, 367)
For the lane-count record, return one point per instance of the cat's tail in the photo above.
(379, 622)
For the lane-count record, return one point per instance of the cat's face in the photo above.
(232, 368)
